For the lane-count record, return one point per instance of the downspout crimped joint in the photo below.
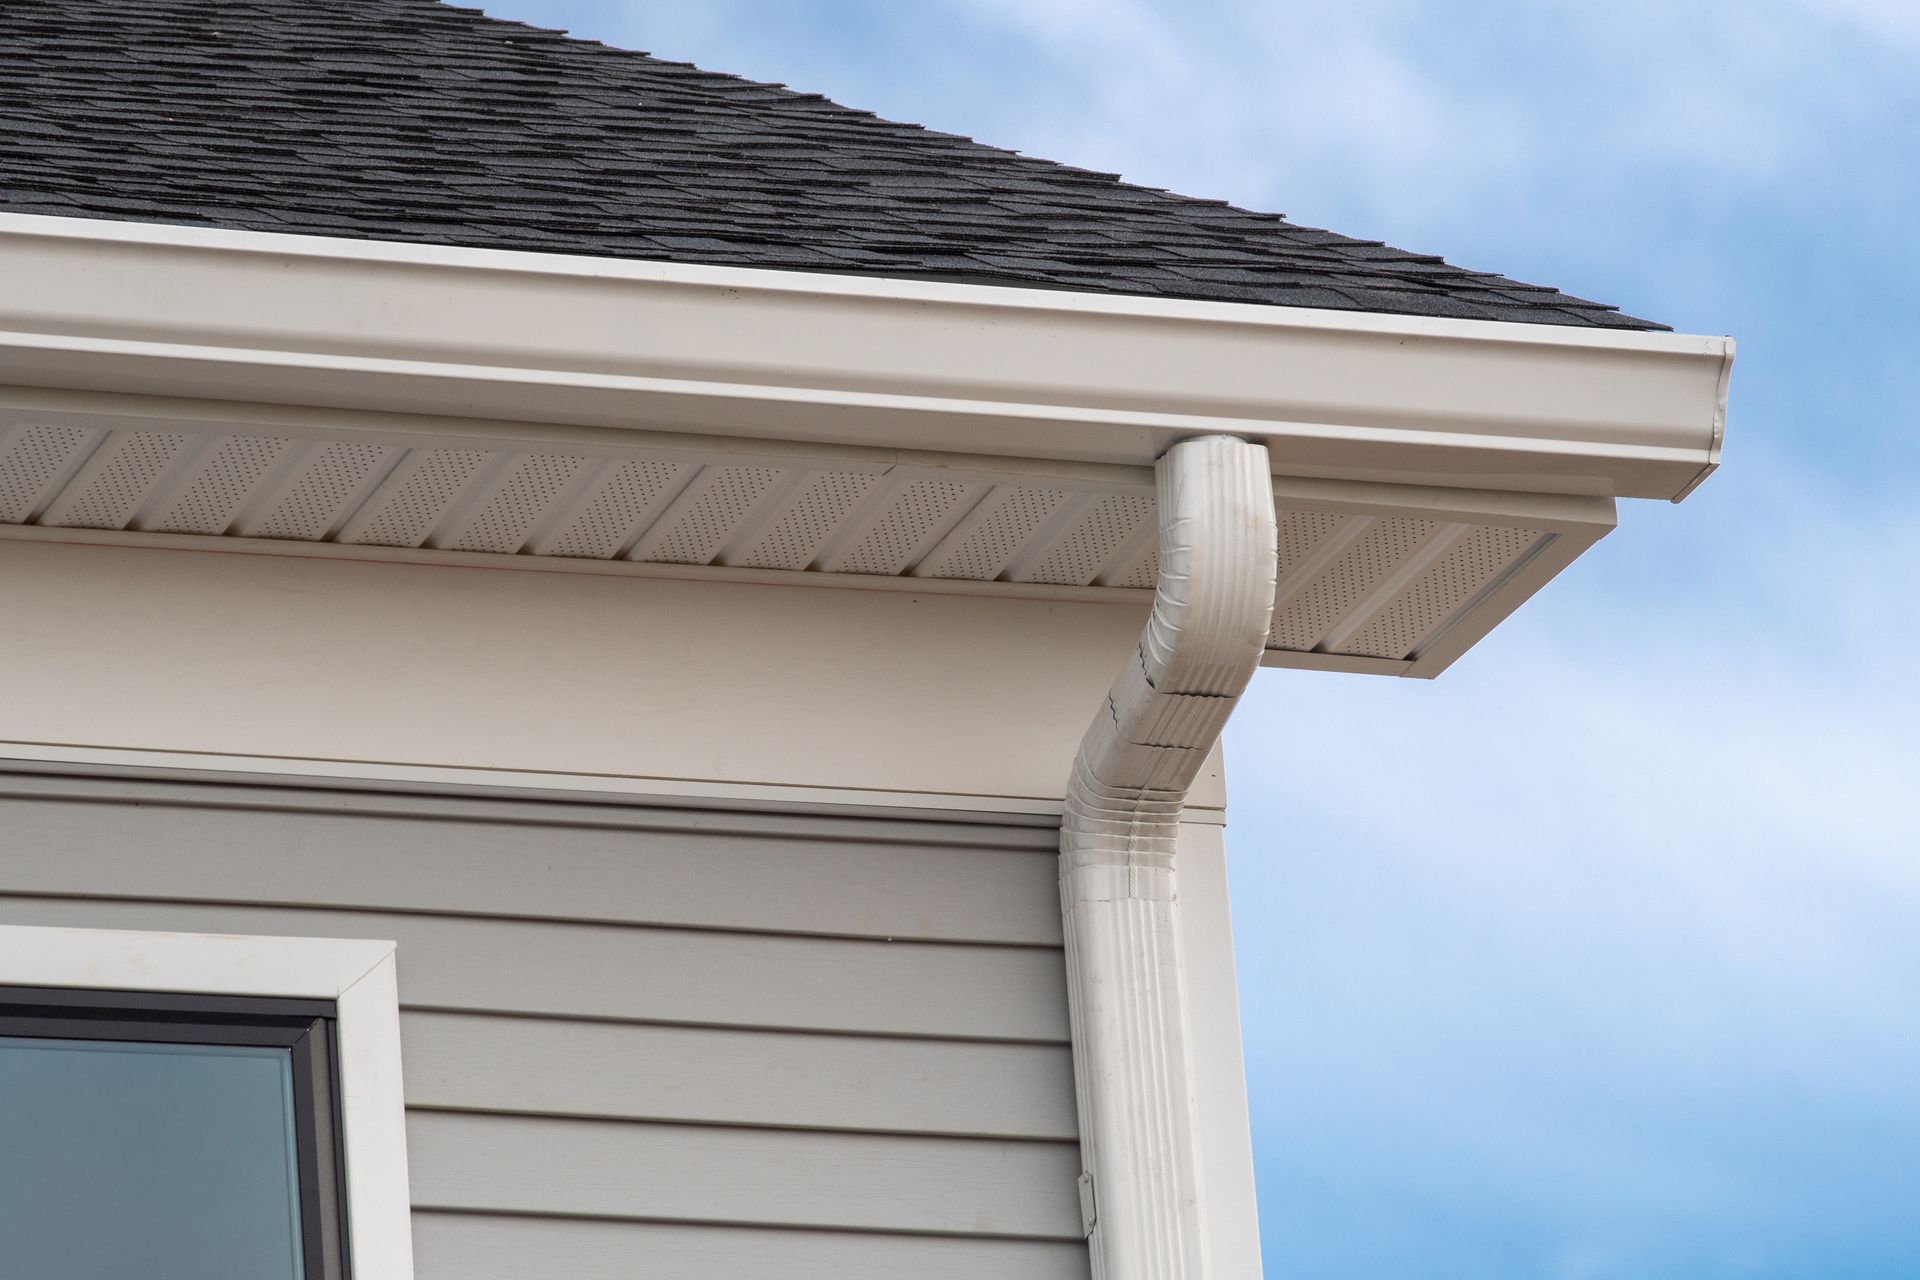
(1212, 607)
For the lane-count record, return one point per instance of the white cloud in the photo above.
(1893, 20)
(1632, 871)
(1423, 123)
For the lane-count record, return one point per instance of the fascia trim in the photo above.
(851, 360)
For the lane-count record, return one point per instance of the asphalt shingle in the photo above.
(415, 120)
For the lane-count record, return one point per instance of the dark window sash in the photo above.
(303, 1027)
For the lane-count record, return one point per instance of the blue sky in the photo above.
(1600, 956)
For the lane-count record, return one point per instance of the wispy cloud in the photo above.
(1384, 91)
(1618, 916)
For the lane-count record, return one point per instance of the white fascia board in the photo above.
(851, 360)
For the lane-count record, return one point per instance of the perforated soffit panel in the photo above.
(1357, 591)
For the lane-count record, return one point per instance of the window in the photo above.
(219, 1108)
(149, 1134)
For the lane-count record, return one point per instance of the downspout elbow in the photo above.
(1212, 605)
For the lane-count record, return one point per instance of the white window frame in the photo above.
(356, 974)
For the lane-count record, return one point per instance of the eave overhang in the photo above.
(1412, 450)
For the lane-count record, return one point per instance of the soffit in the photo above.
(1372, 578)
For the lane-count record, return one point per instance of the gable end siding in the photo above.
(708, 1044)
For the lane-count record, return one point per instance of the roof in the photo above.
(412, 120)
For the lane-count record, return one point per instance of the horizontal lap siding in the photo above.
(528, 1248)
(633, 973)
(660, 1041)
(851, 877)
(770, 1177)
(699, 1074)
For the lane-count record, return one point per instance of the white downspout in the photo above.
(1212, 604)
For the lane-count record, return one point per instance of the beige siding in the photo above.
(920, 881)
(507, 1248)
(658, 1041)
(772, 1177)
(641, 1071)
(635, 973)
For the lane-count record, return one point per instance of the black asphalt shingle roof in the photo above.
(414, 120)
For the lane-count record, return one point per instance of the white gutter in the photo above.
(1140, 1192)
(98, 305)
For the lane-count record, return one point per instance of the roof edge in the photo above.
(828, 284)
(156, 308)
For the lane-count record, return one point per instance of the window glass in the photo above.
(161, 1161)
